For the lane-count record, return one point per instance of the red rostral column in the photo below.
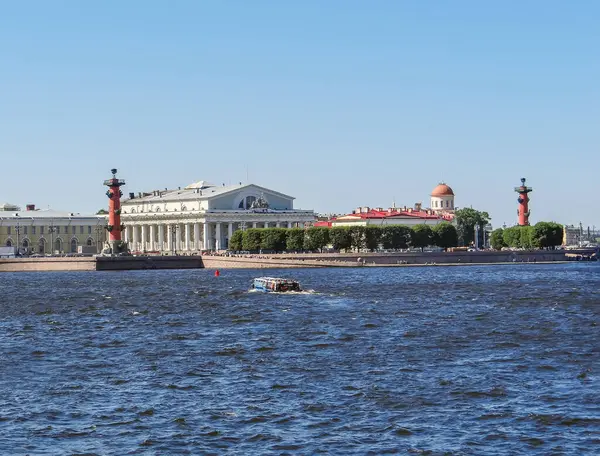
(523, 200)
(114, 227)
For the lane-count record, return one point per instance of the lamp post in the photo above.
(174, 229)
(18, 231)
(51, 230)
(98, 230)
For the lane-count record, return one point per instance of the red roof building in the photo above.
(442, 210)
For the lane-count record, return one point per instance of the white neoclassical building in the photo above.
(203, 216)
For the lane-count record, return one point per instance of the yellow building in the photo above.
(48, 231)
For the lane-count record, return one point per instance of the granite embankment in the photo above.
(305, 260)
(100, 263)
(286, 260)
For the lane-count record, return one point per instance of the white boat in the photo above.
(275, 285)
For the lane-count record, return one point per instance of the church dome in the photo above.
(442, 190)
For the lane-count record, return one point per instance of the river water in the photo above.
(490, 360)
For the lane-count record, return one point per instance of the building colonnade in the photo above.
(159, 236)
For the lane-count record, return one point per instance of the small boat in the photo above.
(276, 285)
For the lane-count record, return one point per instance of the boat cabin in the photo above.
(274, 284)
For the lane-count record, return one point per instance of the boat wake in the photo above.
(286, 293)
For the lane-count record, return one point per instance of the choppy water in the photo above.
(436, 361)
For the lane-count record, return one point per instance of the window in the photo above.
(447, 203)
(89, 242)
(81, 229)
(57, 231)
(89, 230)
(33, 230)
(25, 229)
(9, 231)
(74, 229)
(41, 230)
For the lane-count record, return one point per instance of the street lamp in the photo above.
(18, 231)
(174, 229)
(52, 230)
(98, 229)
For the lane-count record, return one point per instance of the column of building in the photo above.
(197, 245)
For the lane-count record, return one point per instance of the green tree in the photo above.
(251, 239)
(340, 238)
(316, 238)
(512, 237)
(527, 239)
(102, 212)
(466, 219)
(421, 237)
(547, 234)
(236, 241)
(357, 237)
(273, 239)
(395, 237)
(294, 239)
(497, 239)
(445, 235)
(372, 237)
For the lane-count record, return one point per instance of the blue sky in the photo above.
(340, 103)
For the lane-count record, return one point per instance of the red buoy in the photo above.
(217, 273)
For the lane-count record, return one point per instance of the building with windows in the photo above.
(441, 210)
(204, 216)
(43, 232)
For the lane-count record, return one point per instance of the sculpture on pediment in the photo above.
(260, 203)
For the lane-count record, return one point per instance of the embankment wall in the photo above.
(100, 263)
(287, 260)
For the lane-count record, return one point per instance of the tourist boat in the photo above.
(273, 284)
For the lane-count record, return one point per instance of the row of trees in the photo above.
(540, 235)
(390, 237)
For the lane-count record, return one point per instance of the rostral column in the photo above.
(523, 200)
(114, 227)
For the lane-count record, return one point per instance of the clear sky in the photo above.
(340, 103)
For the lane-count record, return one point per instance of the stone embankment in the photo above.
(287, 260)
(100, 263)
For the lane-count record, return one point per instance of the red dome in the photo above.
(442, 190)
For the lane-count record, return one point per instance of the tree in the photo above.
(497, 239)
(395, 237)
(236, 241)
(422, 236)
(357, 237)
(466, 219)
(445, 235)
(527, 239)
(294, 239)
(316, 238)
(102, 212)
(547, 234)
(252, 239)
(372, 237)
(273, 239)
(340, 238)
(512, 237)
